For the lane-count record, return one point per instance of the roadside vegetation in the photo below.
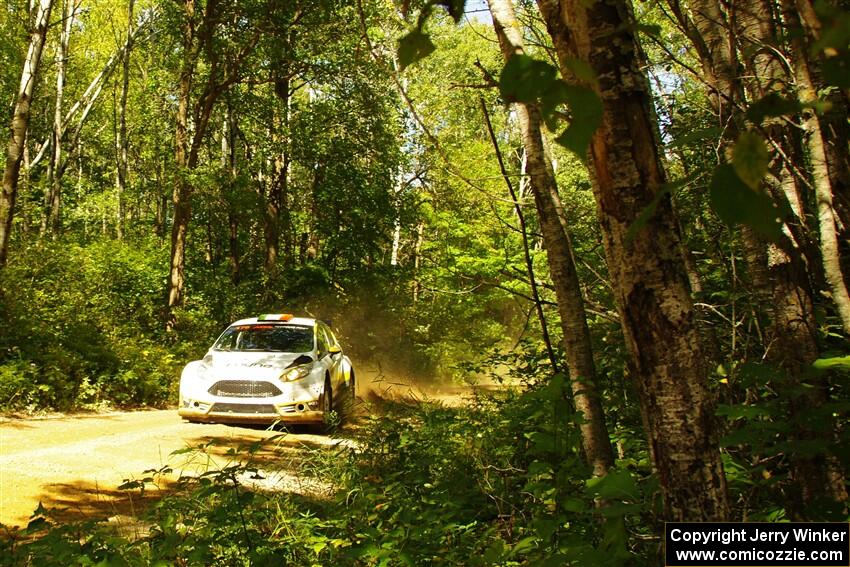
(638, 219)
(491, 482)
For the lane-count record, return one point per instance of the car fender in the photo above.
(345, 367)
(189, 376)
(345, 370)
(190, 371)
(338, 371)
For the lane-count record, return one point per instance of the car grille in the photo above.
(243, 408)
(244, 389)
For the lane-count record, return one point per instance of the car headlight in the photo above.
(296, 373)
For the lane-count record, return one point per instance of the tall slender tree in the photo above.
(20, 124)
(51, 219)
(742, 59)
(793, 325)
(200, 25)
(648, 276)
(121, 141)
(578, 348)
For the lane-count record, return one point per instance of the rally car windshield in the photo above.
(266, 338)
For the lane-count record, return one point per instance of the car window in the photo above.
(268, 338)
(331, 337)
(321, 343)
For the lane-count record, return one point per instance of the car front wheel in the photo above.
(327, 398)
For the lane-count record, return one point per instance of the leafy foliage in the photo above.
(82, 329)
(392, 220)
(481, 485)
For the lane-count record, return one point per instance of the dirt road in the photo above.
(77, 463)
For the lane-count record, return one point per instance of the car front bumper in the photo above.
(297, 402)
(234, 415)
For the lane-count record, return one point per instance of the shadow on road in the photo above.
(78, 501)
(280, 459)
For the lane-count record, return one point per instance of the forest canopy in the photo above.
(637, 214)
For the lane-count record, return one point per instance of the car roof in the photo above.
(299, 321)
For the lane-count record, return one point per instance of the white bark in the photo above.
(122, 142)
(20, 124)
(53, 199)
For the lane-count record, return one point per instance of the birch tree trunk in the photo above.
(122, 142)
(52, 220)
(20, 124)
(794, 328)
(579, 353)
(822, 177)
(647, 273)
(778, 273)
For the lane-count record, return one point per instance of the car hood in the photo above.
(249, 364)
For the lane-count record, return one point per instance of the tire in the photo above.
(327, 408)
(327, 398)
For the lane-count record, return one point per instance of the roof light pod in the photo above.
(276, 317)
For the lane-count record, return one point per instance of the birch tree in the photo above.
(579, 353)
(20, 123)
(651, 289)
(52, 207)
(121, 141)
(741, 58)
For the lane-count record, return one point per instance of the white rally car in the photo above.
(267, 369)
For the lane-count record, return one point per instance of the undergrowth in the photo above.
(497, 482)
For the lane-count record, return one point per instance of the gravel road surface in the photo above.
(77, 463)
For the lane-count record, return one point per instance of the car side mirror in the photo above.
(335, 349)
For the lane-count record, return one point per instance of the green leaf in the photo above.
(771, 105)
(541, 440)
(614, 485)
(523, 546)
(525, 79)
(835, 362)
(835, 32)
(695, 136)
(652, 30)
(182, 451)
(587, 112)
(319, 546)
(575, 505)
(413, 47)
(735, 203)
(836, 71)
(582, 70)
(644, 216)
(495, 553)
(454, 7)
(738, 411)
(650, 209)
(750, 159)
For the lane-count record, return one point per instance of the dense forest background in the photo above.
(637, 211)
